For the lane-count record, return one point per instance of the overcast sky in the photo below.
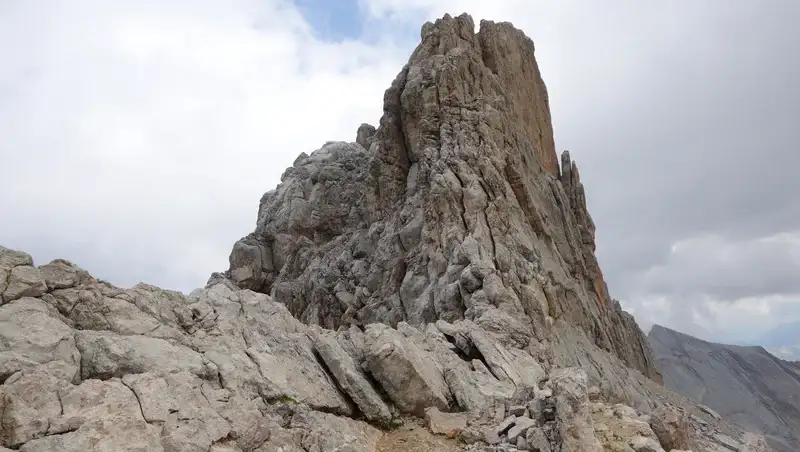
(136, 138)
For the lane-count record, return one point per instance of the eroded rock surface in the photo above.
(455, 203)
(442, 265)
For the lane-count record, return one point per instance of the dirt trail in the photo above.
(414, 438)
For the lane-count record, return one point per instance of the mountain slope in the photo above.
(746, 385)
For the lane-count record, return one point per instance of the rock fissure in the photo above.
(138, 400)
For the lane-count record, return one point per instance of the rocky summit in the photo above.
(431, 286)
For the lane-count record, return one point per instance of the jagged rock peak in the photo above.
(453, 206)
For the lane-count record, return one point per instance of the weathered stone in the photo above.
(176, 401)
(327, 433)
(102, 416)
(12, 258)
(521, 425)
(709, 411)
(537, 441)
(570, 390)
(105, 355)
(642, 444)
(594, 393)
(505, 425)
(399, 365)
(351, 379)
(28, 405)
(365, 135)
(32, 336)
(24, 281)
(449, 424)
(727, 441)
(491, 436)
(671, 427)
(62, 274)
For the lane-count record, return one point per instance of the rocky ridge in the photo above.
(86, 366)
(441, 268)
(744, 384)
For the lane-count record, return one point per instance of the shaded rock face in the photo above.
(745, 385)
(454, 204)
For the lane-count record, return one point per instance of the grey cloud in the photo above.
(696, 135)
(727, 271)
(703, 141)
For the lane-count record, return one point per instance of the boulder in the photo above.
(102, 416)
(24, 281)
(570, 390)
(62, 274)
(105, 355)
(521, 426)
(449, 424)
(672, 428)
(34, 336)
(409, 377)
(351, 379)
(642, 444)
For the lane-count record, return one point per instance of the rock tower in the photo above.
(453, 207)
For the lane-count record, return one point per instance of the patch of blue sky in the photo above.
(349, 20)
(333, 20)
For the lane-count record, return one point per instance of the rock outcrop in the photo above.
(441, 268)
(457, 205)
(745, 385)
(87, 366)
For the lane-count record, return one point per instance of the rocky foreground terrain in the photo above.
(746, 385)
(431, 286)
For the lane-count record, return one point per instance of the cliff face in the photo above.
(745, 385)
(454, 205)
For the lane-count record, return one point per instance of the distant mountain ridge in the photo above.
(782, 341)
(745, 384)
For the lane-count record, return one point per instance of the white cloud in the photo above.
(718, 288)
(146, 134)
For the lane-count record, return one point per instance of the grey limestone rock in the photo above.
(350, 378)
(570, 390)
(399, 365)
(672, 428)
(24, 281)
(455, 203)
